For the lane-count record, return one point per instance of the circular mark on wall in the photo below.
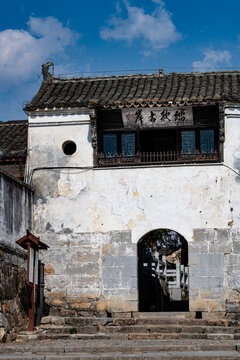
(69, 147)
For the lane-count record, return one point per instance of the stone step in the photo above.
(67, 329)
(81, 321)
(164, 315)
(170, 329)
(161, 336)
(162, 321)
(76, 345)
(93, 321)
(64, 329)
(180, 355)
(42, 336)
(129, 336)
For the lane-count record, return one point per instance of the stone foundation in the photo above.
(214, 270)
(90, 273)
(96, 273)
(13, 292)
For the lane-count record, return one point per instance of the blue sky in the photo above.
(107, 35)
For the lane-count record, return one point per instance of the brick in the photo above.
(215, 306)
(206, 260)
(119, 261)
(58, 320)
(86, 256)
(123, 294)
(57, 295)
(206, 282)
(58, 302)
(198, 305)
(203, 235)
(118, 243)
(81, 305)
(49, 269)
(46, 320)
(100, 306)
(83, 269)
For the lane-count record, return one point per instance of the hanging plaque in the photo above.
(157, 117)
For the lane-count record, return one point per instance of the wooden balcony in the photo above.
(166, 157)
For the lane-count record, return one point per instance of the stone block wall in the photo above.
(90, 273)
(13, 292)
(96, 273)
(214, 270)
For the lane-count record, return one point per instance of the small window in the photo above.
(207, 141)
(122, 145)
(188, 142)
(128, 144)
(69, 147)
(110, 145)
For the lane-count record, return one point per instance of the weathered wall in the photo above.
(91, 272)
(15, 209)
(214, 261)
(13, 292)
(15, 217)
(70, 202)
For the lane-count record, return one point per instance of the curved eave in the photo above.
(131, 104)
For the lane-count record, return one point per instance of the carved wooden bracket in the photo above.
(221, 123)
(93, 119)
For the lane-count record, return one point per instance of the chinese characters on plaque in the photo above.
(157, 117)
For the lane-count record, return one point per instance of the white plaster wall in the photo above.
(232, 138)
(139, 199)
(48, 132)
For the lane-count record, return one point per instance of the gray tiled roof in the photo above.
(144, 89)
(13, 139)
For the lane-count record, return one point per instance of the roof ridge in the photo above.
(138, 75)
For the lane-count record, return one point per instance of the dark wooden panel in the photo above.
(109, 119)
(205, 116)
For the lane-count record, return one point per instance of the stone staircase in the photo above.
(141, 336)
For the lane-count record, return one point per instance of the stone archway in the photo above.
(163, 271)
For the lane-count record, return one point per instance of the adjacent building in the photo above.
(13, 147)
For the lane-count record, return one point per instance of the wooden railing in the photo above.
(175, 277)
(165, 157)
(178, 277)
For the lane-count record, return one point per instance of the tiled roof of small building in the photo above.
(139, 89)
(13, 139)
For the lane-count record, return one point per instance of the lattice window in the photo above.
(110, 145)
(128, 144)
(207, 141)
(110, 119)
(188, 142)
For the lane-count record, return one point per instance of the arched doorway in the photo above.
(163, 271)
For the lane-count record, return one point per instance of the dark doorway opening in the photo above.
(163, 271)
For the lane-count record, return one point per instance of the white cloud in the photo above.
(212, 59)
(22, 52)
(156, 30)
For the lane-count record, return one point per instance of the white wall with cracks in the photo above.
(72, 197)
